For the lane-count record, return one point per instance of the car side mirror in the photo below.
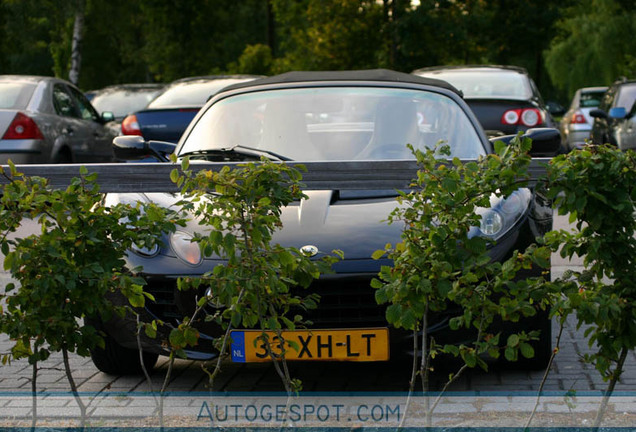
(546, 142)
(598, 113)
(618, 113)
(107, 116)
(135, 148)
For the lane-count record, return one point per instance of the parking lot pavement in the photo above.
(568, 373)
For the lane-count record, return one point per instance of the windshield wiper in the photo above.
(238, 150)
(259, 152)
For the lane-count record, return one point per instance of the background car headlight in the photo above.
(503, 214)
(185, 249)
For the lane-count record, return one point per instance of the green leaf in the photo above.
(500, 147)
(393, 314)
(150, 331)
(526, 350)
(191, 336)
(176, 339)
(378, 254)
(469, 358)
(513, 340)
(174, 175)
(510, 354)
(409, 321)
(443, 288)
(451, 349)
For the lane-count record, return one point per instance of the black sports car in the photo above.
(317, 116)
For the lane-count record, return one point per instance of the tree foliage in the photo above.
(328, 35)
(589, 185)
(442, 265)
(594, 46)
(239, 211)
(162, 40)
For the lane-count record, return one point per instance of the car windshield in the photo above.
(335, 123)
(191, 93)
(123, 102)
(626, 96)
(591, 99)
(14, 95)
(487, 84)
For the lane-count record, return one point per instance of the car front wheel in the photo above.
(115, 359)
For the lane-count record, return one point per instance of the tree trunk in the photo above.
(76, 54)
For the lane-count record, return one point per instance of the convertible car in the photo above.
(318, 116)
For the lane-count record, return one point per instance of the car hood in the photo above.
(354, 222)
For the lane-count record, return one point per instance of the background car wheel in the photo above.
(63, 157)
(115, 359)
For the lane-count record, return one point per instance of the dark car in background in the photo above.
(168, 115)
(318, 116)
(504, 98)
(124, 99)
(49, 120)
(615, 118)
(576, 124)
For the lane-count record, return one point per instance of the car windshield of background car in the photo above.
(15, 95)
(336, 123)
(488, 84)
(191, 94)
(626, 96)
(591, 99)
(123, 102)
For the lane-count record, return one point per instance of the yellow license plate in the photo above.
(361, 345)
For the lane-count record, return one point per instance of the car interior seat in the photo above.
(285, 132)
(395, 126)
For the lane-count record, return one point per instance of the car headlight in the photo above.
(185, 249)
(145, 251)
(491, 223)
(132, 199)
(503, 214)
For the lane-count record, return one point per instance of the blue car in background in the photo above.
(169, 114)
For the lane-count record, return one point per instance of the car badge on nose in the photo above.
(309, 250)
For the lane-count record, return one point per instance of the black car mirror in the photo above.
(135, 148)
(546, 142)
(108, 116)
(598, 113)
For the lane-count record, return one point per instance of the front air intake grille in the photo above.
(345, 302)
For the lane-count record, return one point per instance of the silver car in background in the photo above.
(124, 99)
(615, 117)
(49, 120)
(576, 124)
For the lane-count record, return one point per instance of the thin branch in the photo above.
(545, 375)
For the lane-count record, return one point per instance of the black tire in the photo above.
(62, 157)
(115, 359)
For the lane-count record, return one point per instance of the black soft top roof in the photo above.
(350, 75)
